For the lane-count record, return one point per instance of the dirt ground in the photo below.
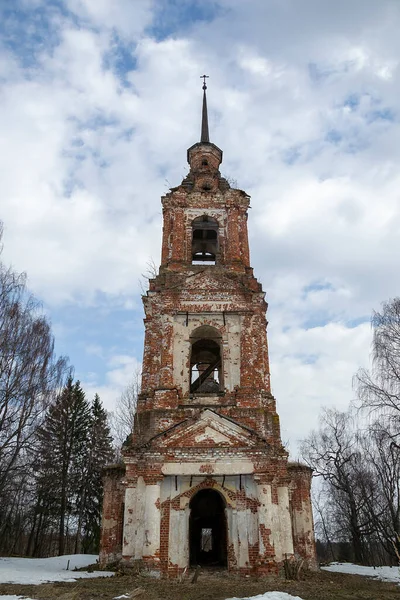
(215, 586)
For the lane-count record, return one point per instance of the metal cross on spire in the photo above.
(204, 77)
(205, 137)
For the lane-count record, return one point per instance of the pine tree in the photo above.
(64, 445)
(100, 452)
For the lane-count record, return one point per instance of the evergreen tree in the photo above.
(64, 440)
(100, 452)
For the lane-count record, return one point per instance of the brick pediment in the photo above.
(208, 430)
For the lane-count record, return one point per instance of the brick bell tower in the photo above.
(205, 478)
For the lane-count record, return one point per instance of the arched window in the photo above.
(204, 240)
(205, 361)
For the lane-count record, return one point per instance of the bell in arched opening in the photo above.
(205, 361)
(204, 240)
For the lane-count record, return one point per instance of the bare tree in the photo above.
(150, 273)
(333, 453)
(383, 493)
(30, 376)
(378, 393)
(378, 389)
(123, 417)
(359, 460)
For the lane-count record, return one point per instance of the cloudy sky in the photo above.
(99, 101)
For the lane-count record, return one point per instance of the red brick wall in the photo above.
(301, 512)
(113, 515)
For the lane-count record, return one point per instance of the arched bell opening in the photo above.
(208, 529)
(204, 240)
(206, 361)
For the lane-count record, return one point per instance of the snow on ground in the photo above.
(14, 598)
(41, 570)
(382, 573)
(268, 596)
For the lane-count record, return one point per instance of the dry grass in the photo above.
(314, 586)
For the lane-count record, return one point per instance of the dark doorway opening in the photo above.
(207, 530)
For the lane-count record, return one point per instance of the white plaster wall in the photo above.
(232, 350)
(265, 513)
(178, 537)
(251, 517)
(242, 532)
(233, 532)
(129, 537)
(134, 524)
(152, 520)
(286, 522)
(220, 467)
(139, 518)
(276, 534)
(276, 517)
(179, 519)
(303, 523)
(181, 351)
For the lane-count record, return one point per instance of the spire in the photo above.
(204, 146)
(205, 137)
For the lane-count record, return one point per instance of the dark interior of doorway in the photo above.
(207, 530)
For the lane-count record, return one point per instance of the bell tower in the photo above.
(206, 479)
(205, 339)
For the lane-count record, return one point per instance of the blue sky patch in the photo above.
(352, 323)
(333, 136)
(316, 319)
(174, 16)
(318, 73)
(121, 60)
(352, 101)
(384, 114)
(27, 31)
(291, 155)
(317, 286)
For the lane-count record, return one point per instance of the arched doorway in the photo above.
(207, 529)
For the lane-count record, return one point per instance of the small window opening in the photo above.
(206, 540)
(204, 162)
(204, 240)
(207, 187)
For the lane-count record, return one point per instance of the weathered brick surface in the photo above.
(113, 515)
(301, 511)
(184, 442)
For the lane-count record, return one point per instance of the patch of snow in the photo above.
(116, 597)
(14, 598)
(382, 573)
(35, 571)
(270, 596)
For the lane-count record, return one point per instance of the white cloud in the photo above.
(121, 370)
(304, 104)
(313, 368)
(127, 18)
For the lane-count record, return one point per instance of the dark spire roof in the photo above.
(205, 136)
(204, 144)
